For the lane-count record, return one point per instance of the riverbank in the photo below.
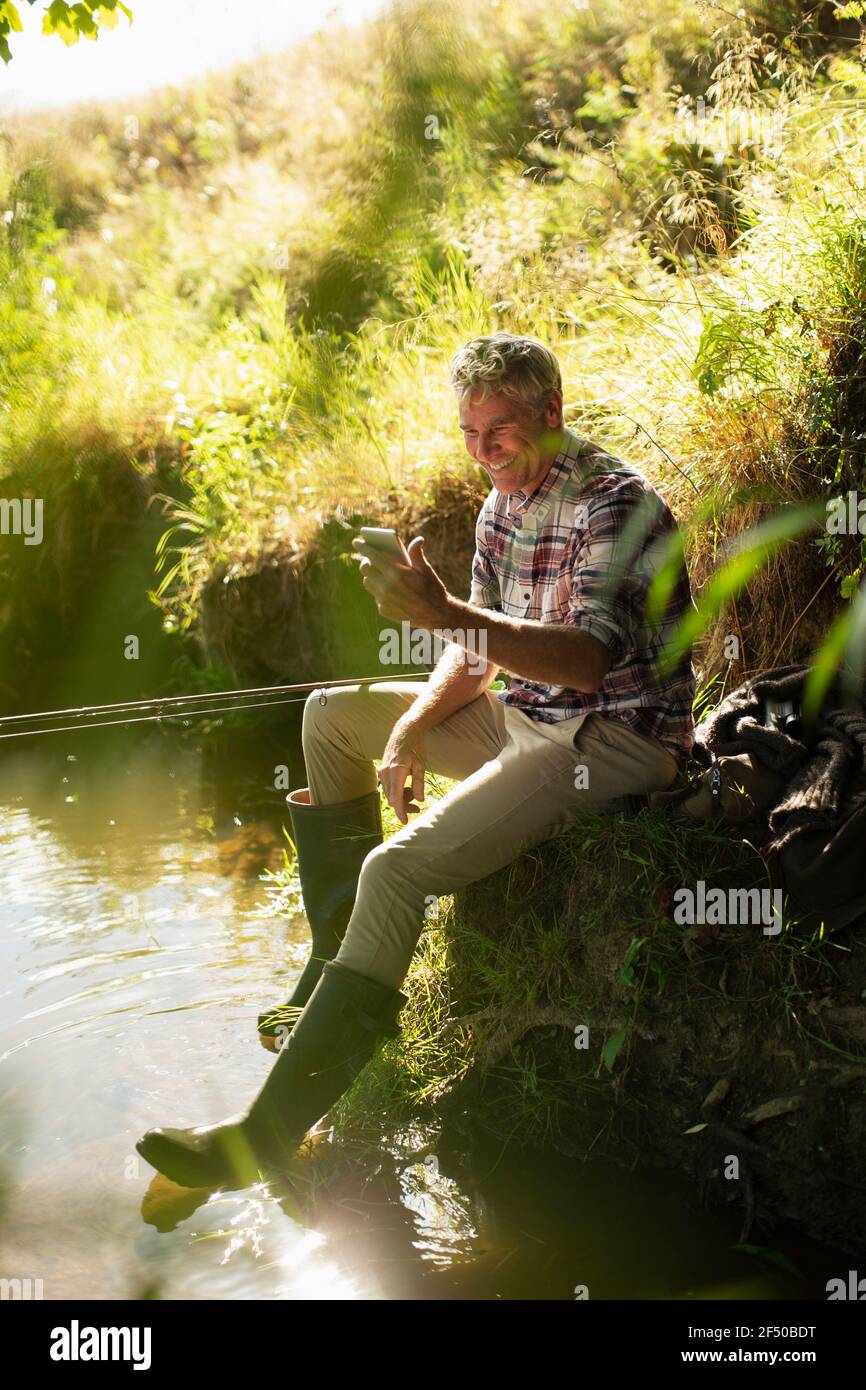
(559, 1003)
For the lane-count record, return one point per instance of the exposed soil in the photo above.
(312, 619)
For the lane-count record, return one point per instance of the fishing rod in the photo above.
(177, 706)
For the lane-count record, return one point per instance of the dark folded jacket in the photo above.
(809, 787)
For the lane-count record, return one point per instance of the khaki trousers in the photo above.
(520, 783)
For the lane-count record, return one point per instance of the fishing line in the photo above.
(161, 700)
(130, 712)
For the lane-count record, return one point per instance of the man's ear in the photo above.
(553, 410)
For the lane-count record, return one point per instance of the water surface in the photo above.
(140, 935)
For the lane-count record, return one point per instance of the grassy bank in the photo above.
(559, 1004)
(234, 304)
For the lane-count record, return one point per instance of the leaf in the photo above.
(753, 548)
(167, 578)
(84, 21)
(629, 545)
(773, 1257)
(57, 13)
(772, 1109)
(671, 557)
(11, 15)
(845, 643)
(695, 1129)
(613, 1046)
(626, 975)
(662, 584)
(57, 21)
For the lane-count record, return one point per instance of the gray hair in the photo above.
(506, 364)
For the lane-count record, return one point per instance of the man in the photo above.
(566, 544)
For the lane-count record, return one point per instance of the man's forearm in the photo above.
(452, 685)
(546, 652)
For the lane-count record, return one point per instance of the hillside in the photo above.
(240, 298)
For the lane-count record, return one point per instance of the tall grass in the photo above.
(240, 297)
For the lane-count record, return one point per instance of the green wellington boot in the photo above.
(336, 1035)
(332, 843)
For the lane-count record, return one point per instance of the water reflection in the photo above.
(443, 1214)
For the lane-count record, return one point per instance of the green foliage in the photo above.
(69, 22)
(614, 1046)
(32, 276)
(258, 283)
(843, 651)
(752, 550)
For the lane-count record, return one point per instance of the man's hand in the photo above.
(413, 594)
(405, 756)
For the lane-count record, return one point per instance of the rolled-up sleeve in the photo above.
(609, 581)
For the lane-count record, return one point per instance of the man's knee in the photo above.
(408, 868)
(381, 871)
(323, 721)
(387, 919)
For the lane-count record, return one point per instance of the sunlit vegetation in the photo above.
(230, 307)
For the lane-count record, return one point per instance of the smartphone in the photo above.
(383, 539)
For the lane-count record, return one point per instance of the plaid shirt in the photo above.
(548, 556)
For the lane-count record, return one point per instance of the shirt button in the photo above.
(527, 595)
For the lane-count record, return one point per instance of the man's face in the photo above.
(515, 446)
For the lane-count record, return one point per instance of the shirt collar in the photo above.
(529, 506)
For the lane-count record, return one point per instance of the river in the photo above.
(140, 935)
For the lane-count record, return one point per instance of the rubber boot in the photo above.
(332, 843)
(336, 1035)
